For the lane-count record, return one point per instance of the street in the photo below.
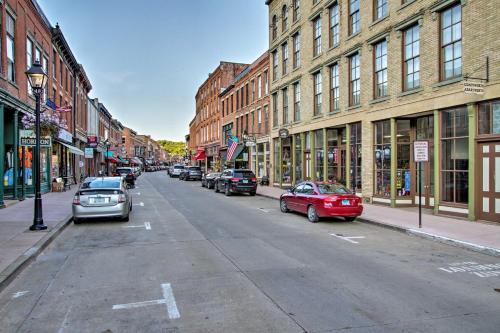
(192, 260)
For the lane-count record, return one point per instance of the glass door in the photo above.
(425, 131)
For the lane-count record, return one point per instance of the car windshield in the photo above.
(178, 167)
(195, 168)
(244, 174)
(123, 170)
(102, 183)
(333, 189)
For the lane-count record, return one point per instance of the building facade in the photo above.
(372, 80)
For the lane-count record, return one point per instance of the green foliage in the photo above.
(173, 147)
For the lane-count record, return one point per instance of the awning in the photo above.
(200, 155)
(113, 159)
(237, 152)
(135, 160)
(72, 149)
(124, 161)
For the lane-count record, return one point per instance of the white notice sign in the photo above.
(421, 151)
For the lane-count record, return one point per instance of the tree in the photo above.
(173, 147)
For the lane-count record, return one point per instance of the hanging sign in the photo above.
(27, 138)
(473, 87)
(421, 151)
(89, 152)
(283, 133)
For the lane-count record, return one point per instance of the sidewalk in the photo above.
(476, 236)
(19, 245)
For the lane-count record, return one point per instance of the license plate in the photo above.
(99, 200)
(245, 181)
(345, 202)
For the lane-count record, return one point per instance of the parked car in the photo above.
(100, 197)
(126, 172)
(191, 173)
(237, 181)
(318, 199)
(176, 170)
(208, 180)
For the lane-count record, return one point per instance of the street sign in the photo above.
(89, 152)
(473, 87)
(250, 143)
(421, 151)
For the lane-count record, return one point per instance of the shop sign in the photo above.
(89, 152)
(92, 141)
(250, 143)
(421, 151)
(283, 133)
(473, 87)
(65, 136)
(28, 138)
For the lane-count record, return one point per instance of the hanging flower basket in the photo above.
(50, 124)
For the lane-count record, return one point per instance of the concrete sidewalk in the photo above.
(19, 245)
(476, 236)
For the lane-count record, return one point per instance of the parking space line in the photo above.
(140, 204)
(147, 225)
(19, 294)
(349, 239)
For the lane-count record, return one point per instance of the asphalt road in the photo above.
(191, 260)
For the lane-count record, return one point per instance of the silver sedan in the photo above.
(102, 197)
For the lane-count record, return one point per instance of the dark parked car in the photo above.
(237, 181)
(208, 180)
(191, 173)
(318, 199)
(127, 173)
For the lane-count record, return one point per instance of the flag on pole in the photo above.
(232, 144)
(66, 108)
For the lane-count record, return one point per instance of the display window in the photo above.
(319, 154)
(355, 146)
(286, 161)
(298, 158)
(403, 173)
(382, 151)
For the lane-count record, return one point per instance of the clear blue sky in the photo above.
(146, 59)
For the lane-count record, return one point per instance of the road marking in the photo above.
(264, 210)
(138, 193)
(140, 204)
(474, 268)
(168, 299)
(147, 225)
(349, 239)
(19, 294)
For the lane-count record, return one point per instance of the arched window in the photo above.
(274, 26)
(284, 17)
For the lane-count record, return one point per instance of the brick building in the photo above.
(375, 78)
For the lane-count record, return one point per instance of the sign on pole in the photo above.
(473, 87)
(421, 151)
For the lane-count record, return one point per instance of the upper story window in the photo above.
(317, 93)
(11, 70)
(334, 25)
(451, 42)
(275, 64)
(296, 50)
(317, 36)
(38, 55)
(353, 16)
(296, 10)
(259, 88)
(380, 9)
(266, 82)
(285, 106)
(285, 58)
(29, 53)
(275, 110)
(284, 18)
(381, 69)
(411, 67)
(334, 88)
(354, 80)
(252, 84)
(54, 68)
(296, 101)
(274, 27)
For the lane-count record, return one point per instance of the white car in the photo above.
(176, 170)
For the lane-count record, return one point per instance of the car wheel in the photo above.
(312, 215)
(252, 194)
(216, 187)
(350, 218)
(202, 185)
(126, 218)
(283, 206)
(227, 192)
(77, 220)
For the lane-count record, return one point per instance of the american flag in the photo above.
(232, 145)
(66, 108)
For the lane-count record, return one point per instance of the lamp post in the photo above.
(37, 79)
(107, 156)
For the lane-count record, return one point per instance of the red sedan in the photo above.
(317, 199)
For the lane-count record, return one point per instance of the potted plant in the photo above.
(50, 124)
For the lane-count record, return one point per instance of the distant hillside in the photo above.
(173, 147)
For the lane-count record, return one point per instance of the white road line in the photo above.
(138, 193)
(168, 294)
(139, 304)
(133, 226)
(20, 293)
(349, 239)
(140, 204)
(264, 210)
(147, 225)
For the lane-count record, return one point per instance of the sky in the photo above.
(146, 59)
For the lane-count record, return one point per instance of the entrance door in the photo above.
(489, 181)
(307, 161)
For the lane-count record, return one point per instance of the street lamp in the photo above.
(37, 79)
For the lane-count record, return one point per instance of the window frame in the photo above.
(317, 36)
(352, 80)
(296, 101)
(354, 18)
(377, 93)
(407, 60)
(284, 58)
(317, 93)
(334, 70)
(284, 105)
(380, 9)
(296, 50)
(442, 46)
(334, 27)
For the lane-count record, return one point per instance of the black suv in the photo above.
(191, 172)
(127, 173)
(237, 181)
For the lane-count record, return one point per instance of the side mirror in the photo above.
(291, 190)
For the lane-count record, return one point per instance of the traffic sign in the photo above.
(421, 151)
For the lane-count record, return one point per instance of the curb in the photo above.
(413, 232)
(16, 267)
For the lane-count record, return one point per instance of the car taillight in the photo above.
(235, 179)
(76, 200)
(130, 174)
(253, 179)
(122, 198)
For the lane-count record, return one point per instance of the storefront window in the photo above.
(455, 155)
(355, 172)
(382, 149)
(403, 174)
(425, 131)
(286, 161)
(319, 154)
(298, 158)
(489, 118)
(276, 160)
(307, 155)
(268, 158)
(333, 153)
(260, 160)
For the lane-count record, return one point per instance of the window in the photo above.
(296, 10)
(334, 25)
(45, 65)
(11, 68)
(319, 154)
(54, 58)
(266, 82)
(353, 17)
(247, 95)
(451, 42)
(38, 55)
(284, 18)
(354, 84)
(29, 60)
(455, 155)
(355, 172)
(296, 50)
(285, 58)
(275, 110)
(266, 118)
(61, 72)
(489, 118)
(274, 27)
(259, 119)
(285, 105)
(275, 64)
(411, 58)
(259, 91)
(317, 93)
(298, 157)
(380, 9)
(252, 84)
(382, 150)
(317, 36)
(381, 69)
(334, 88)
(403, 174)
(296, 101)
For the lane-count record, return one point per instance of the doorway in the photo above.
(488, 163)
